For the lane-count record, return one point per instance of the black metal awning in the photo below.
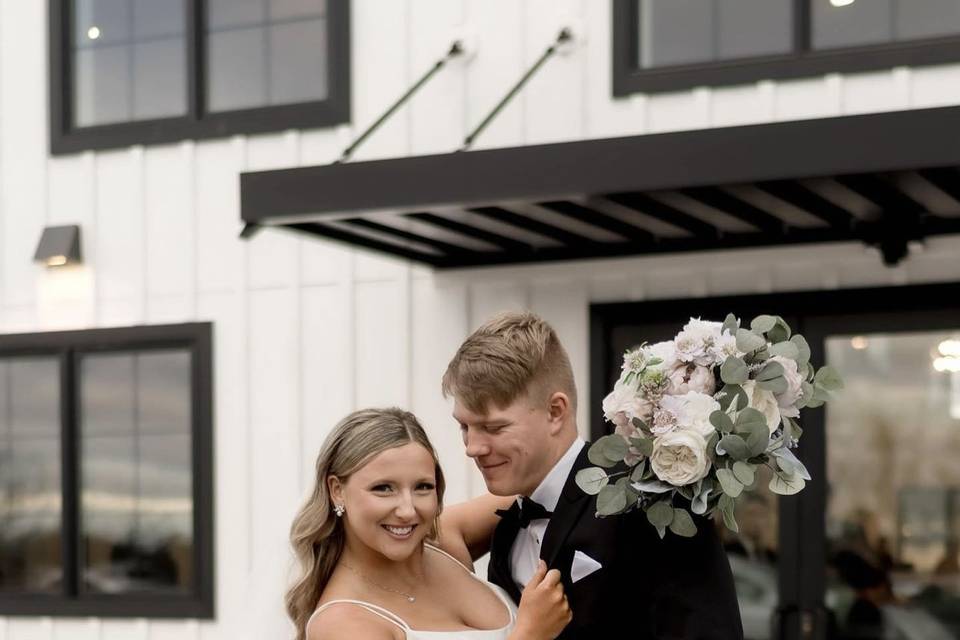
(884, 179)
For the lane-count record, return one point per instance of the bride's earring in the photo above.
(339, 509)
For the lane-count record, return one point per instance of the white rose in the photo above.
(696, 342)
(763, 401)
(685, 378)
(689, 411)
(725, 347)
(624, 403)
(666, 352)
(788, 399)
(680, 457)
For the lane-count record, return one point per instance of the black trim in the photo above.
(633, 187)
(817, 315)
(198, 123)
(67, 346)
(629, 78)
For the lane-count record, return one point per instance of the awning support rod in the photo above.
(564, 36)
(456, 49)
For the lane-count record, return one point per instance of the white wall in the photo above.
(307, 330)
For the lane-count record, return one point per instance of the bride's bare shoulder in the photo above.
(346, 621)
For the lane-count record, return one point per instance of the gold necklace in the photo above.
(408, 596)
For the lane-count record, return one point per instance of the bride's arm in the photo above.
(466, 528)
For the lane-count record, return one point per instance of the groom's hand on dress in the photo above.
(544, 611)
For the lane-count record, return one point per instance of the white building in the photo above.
(306, 330)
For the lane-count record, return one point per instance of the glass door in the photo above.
(890, 529)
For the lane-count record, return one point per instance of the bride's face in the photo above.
(391, 501)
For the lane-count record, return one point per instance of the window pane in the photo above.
(129, 60)
(265, 52)
(136, 459)
(893, 523)
(296, 57)
(30, 482)
(676, 32)
(879, 21)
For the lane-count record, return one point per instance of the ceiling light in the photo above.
(859, 343)
(93, 33)
(947, 364)
(841, 3)
(949, 348)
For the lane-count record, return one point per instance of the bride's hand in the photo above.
(544, 610)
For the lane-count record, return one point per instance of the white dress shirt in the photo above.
(525, 552)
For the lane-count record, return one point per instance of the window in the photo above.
(666, 45)
(129, 72)
(105, 472)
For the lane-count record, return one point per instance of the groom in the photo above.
(516, 400)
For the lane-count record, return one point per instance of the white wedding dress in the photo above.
(423, 634)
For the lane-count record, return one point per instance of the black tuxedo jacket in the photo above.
(647, 588)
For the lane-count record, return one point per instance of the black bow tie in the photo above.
(524, 511)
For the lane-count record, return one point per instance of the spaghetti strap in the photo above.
(441, 551)
(372, 608)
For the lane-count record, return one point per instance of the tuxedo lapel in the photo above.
(573, 501)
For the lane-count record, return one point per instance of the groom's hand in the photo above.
(544, 610)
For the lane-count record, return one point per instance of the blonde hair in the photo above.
(317, 535)
(510, 355)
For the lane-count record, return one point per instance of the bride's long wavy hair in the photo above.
(317, 535)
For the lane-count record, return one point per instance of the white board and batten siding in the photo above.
(308, 330)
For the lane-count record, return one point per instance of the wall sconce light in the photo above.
(59, 246)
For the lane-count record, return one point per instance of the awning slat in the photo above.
(592, 216)
(664, 212)
(734, 206)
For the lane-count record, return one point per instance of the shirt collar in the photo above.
(548, 492)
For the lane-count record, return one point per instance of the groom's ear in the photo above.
(558, 410)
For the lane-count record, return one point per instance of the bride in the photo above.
(379, 561)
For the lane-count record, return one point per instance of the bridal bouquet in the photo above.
(697, 415)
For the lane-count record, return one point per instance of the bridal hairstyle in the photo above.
(317, 535)
(510, 355)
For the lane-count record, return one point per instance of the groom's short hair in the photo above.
(512, 354)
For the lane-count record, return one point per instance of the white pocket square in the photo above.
(583, 565)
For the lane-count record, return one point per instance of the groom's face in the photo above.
(510, 445)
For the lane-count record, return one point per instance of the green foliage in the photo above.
(733, 371)
(591, 480)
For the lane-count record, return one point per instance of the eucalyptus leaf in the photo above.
(652, 486)
(611, 500)
(762, 324)
(828, 378)
(641, 426)
(734, 446)
(790, 464)
(757, 440)
(803, 349)
(721, 421)
(747, 418)
(774, 385)
(637, 474)
(786, 349)
(660, 514)
(733, 370)
(730, 324)
(732, 392)
(786, 485)
(597, 456)
(661, 531)
(748, 341)
(727, 506)
(729, 483)
(591, 480)
(744, 473)
(806, 394)
(682, 524)
(643, 445)
(770, 371)
(699, 504)
(712, 443)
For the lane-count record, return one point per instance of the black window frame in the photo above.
(197, 123)
(67, 347)
(802, 61)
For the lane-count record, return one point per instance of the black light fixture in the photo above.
(59, 246)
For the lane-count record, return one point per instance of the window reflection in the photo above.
(892, 521)
(137, 508)
(30, 526)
